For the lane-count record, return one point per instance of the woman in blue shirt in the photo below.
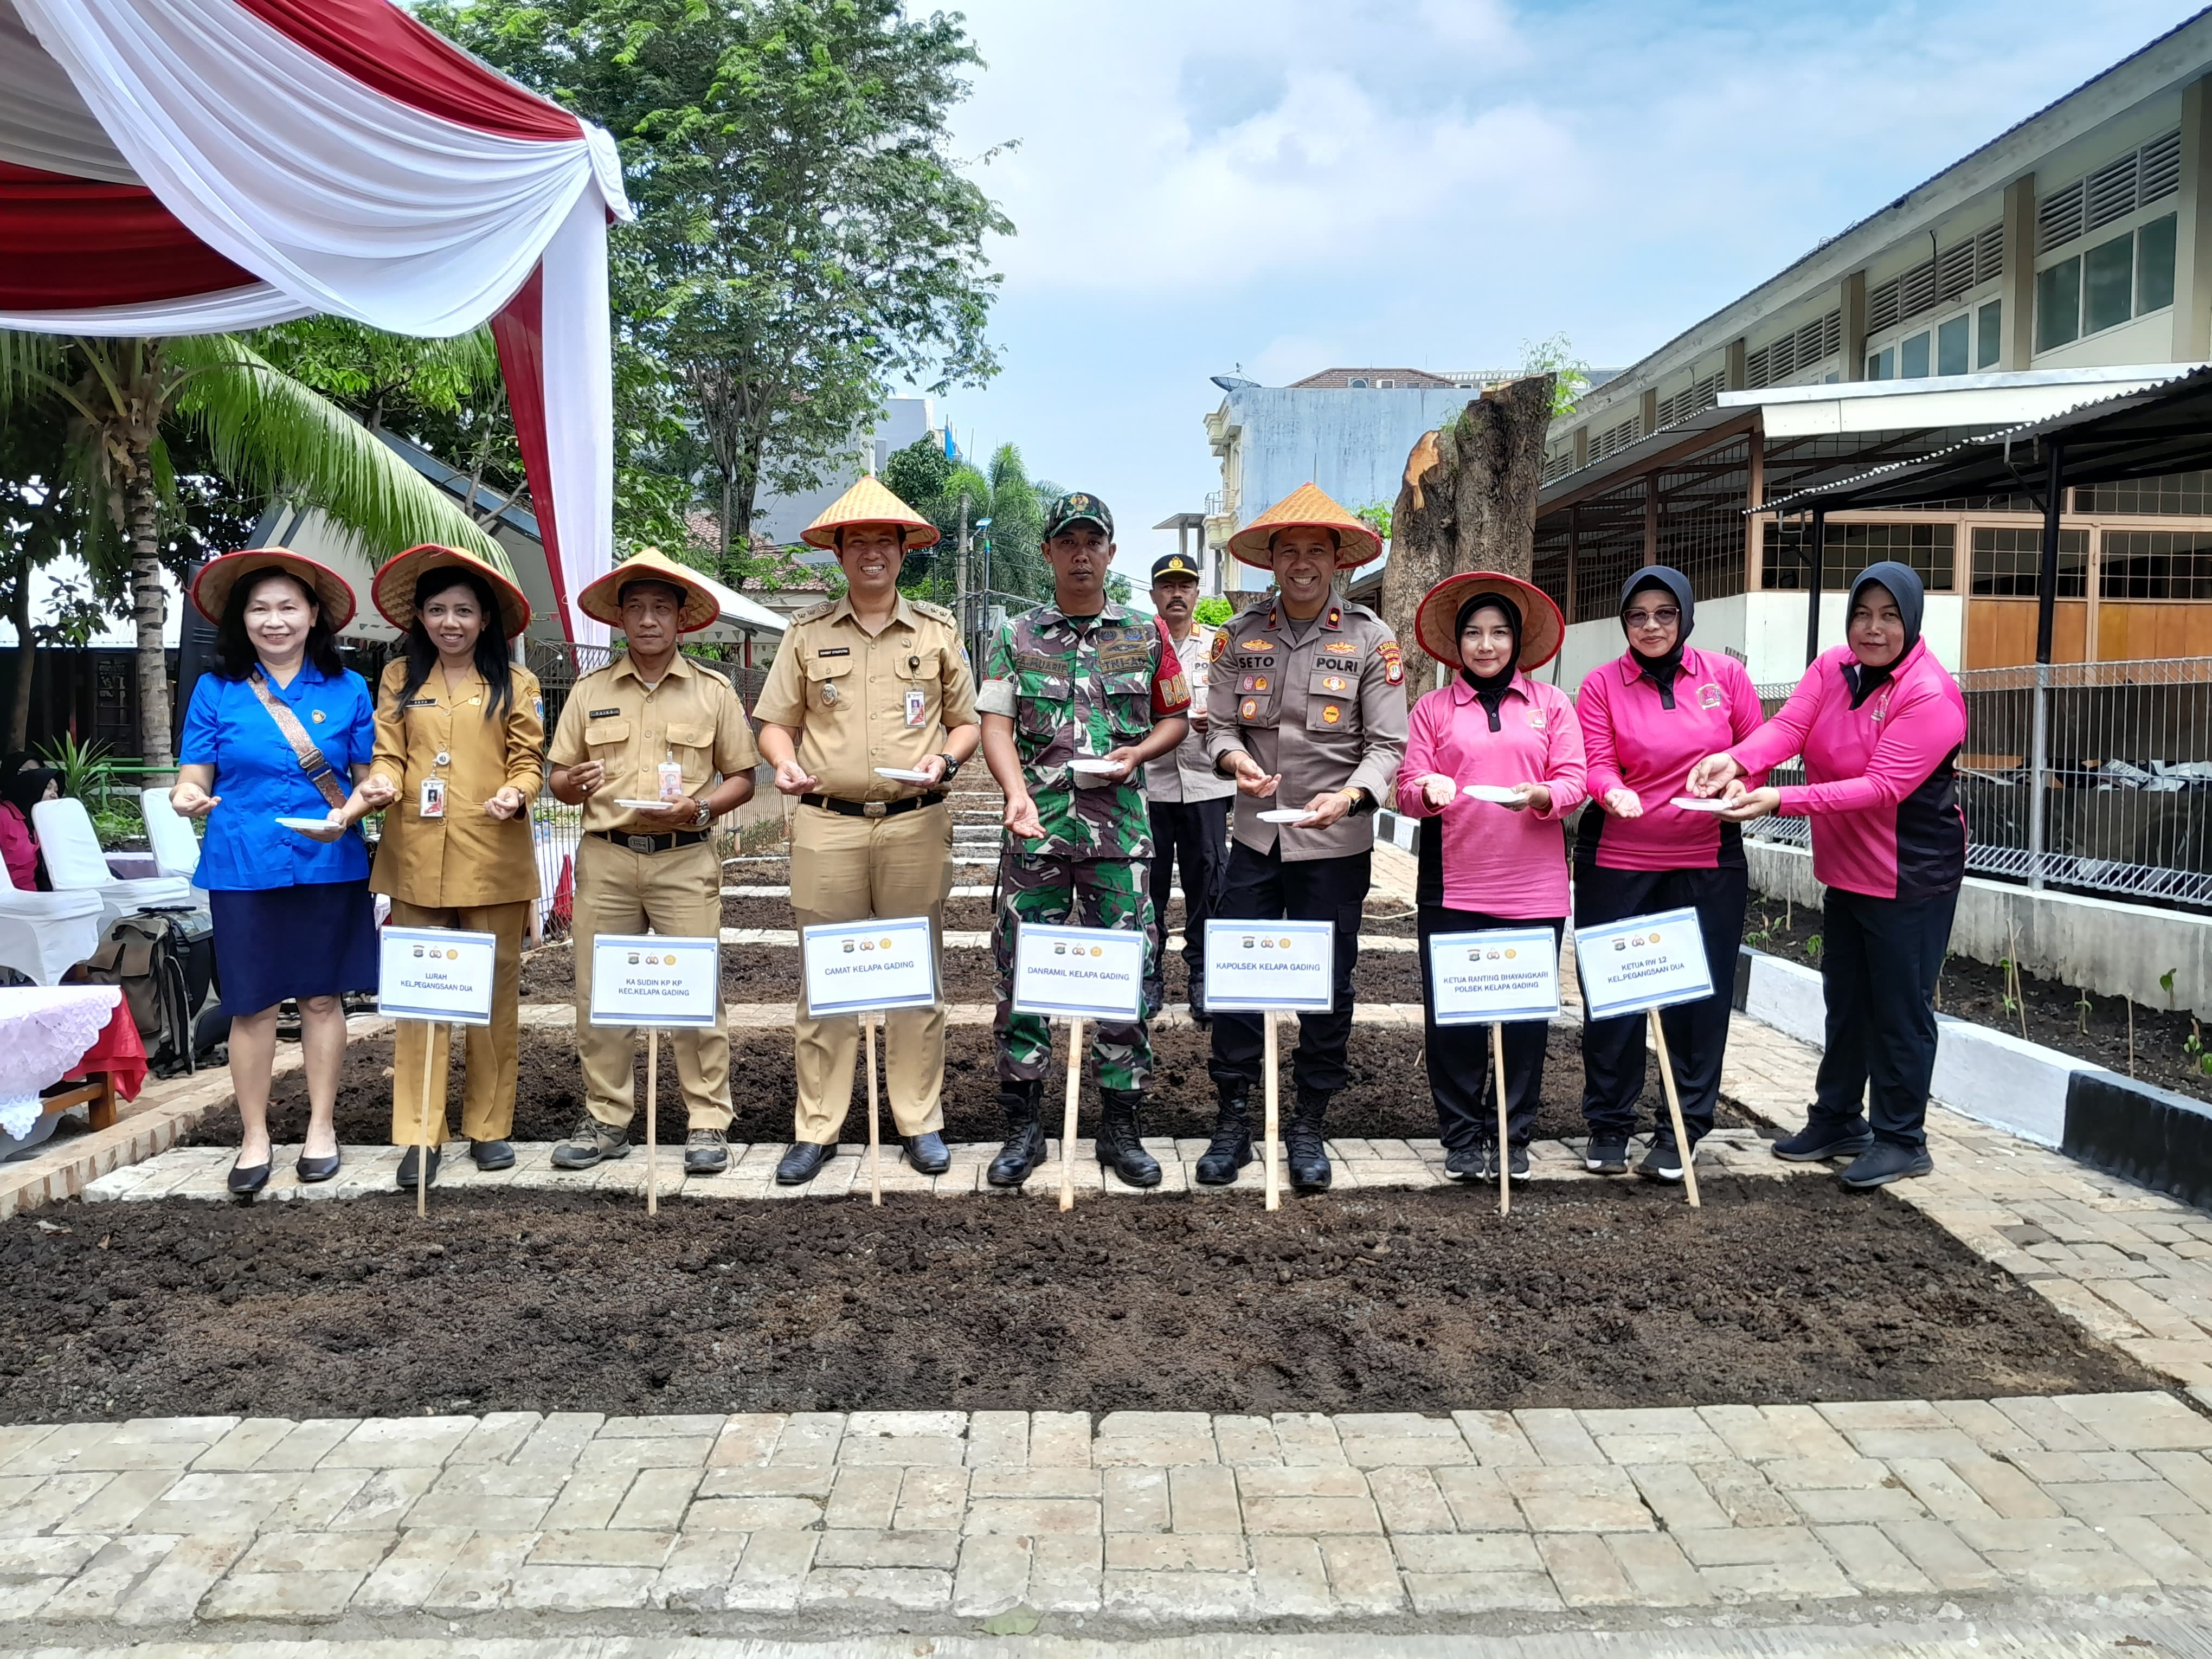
(281, 728)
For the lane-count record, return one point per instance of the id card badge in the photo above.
(434, 797)
(914, 706)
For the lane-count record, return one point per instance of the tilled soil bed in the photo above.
(1589, 1296)
(1388, 1097)
(1385, 917)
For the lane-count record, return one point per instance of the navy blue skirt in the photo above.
(315, 940)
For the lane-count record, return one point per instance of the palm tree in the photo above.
(267, 430)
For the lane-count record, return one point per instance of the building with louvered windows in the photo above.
(2069, 258)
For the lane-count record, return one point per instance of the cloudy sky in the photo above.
(1288, 185)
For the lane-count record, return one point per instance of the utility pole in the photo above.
(960, 578)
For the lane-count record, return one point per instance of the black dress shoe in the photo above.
(247, 1179)
(408, 1163)
(928, 1153)
(802, 1161)
(314, 1170)
(492, 1154)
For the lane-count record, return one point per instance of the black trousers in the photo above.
(1262, 887)
(1194, 834)
(1460, 1071)
(1697, 1032)
(1879, 961)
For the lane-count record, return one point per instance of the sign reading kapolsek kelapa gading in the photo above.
(655, 980)
(1078, 973)
(1496, 974)
(1644, 961)
(1253, 966)
(859, 966)
(436, 974)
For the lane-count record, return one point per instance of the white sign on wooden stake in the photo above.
(1497, 974)
(853, 967)
(436, 974)
(1078, 973)
(1252, 966)
(1642, 962)
(655, 980)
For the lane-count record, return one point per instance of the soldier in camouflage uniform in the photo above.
(1081, 677)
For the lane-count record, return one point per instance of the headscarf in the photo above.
(23, 790)
(1903, 585)
(1664, 579)
(1490, 689)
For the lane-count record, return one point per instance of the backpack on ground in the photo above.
(155, 958)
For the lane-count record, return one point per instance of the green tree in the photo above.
(1556, 356)
(803, 234)
(131, 402)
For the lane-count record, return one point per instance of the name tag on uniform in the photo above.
(433, 803)
(602, 714)
(424, 703)
(916, 708)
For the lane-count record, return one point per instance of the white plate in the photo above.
(641, 805)
(304, 823)
(1693, 804)
(1495, 792)
(1096, 768)
(901, 774)
(1283, 815)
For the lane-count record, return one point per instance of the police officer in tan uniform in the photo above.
(637, 868)
(872, 680)
(1308, 695)
(1188, 799)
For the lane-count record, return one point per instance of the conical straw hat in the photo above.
(211, 588)
(393, 590)
(869, 502)
(602, 600)
(1306, 505)
(1435, 620)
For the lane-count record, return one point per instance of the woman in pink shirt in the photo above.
(1879, 723)
(1648, 717)
(1483, 863)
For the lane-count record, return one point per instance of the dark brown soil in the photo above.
(1589, 1296)
(2055, 1011)
(1388, 917)
(1388, 1096)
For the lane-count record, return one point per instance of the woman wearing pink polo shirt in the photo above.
(1879, 723)
(1489, 863)
(1648, 717)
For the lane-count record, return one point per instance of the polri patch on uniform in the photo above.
(1333, 683)
(1220, 645)
(1254, 683)
(1331, 714)
(1394, 665)
(1336, 617)
(1250, 707)
(1257, 645)
(1708, 696)
(835, 651)
(602, 714)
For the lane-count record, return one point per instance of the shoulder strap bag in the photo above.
(313, 761)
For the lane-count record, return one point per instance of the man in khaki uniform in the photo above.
(1188, 799)
(637, 869)
(1309, 701)
(872, 680)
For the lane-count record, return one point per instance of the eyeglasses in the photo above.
(1666, 618)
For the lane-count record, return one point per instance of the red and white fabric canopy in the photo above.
(190, 166)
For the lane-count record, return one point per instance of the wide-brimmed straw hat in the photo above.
(602, 600)
(392, 593)
(1307, 507)
(212, 587)
(1436, 623)
(869, 502)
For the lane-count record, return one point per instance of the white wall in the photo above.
(781, 518)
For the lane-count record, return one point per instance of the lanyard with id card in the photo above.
(916, 706)
(433, 804)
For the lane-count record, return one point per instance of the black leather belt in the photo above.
(653, 843)
(871, 809)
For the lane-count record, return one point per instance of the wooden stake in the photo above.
(422, 1152)
(1674, 1111)
(875, 1135)
(2131, 1001)
(1068, 1120)
(1275, 1126)
(1505, 1153)
(653, 1122)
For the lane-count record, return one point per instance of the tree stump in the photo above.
(1468, 502)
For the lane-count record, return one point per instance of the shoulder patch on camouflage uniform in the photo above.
(815, 612)
(935, 612)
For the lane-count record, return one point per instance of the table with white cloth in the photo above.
(44, 1031)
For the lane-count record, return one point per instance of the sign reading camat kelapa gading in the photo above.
(1643, 961)
(862, 967)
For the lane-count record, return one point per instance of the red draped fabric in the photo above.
(74, 242)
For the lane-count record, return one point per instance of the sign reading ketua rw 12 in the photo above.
(1254, 966)
(653, 980)
(1078, 973)
(1646, 962)
(436, 974)
(1499, 973)
(857, 967)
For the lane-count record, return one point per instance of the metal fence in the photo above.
(2119, 757)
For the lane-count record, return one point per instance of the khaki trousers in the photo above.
(846, 869)
(488, 1051)
(679, 893)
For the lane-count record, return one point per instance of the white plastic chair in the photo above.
(74, 864)
(176, 848)
(46, 934)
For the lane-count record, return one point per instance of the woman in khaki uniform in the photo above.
(461, 740)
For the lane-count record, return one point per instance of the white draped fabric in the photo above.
(338, 196)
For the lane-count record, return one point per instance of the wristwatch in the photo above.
(952, 768)
(706, 817)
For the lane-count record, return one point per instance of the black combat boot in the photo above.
(1025, 1147)
(1119, 1148)
(1231, 1149)
(1302, 1148)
